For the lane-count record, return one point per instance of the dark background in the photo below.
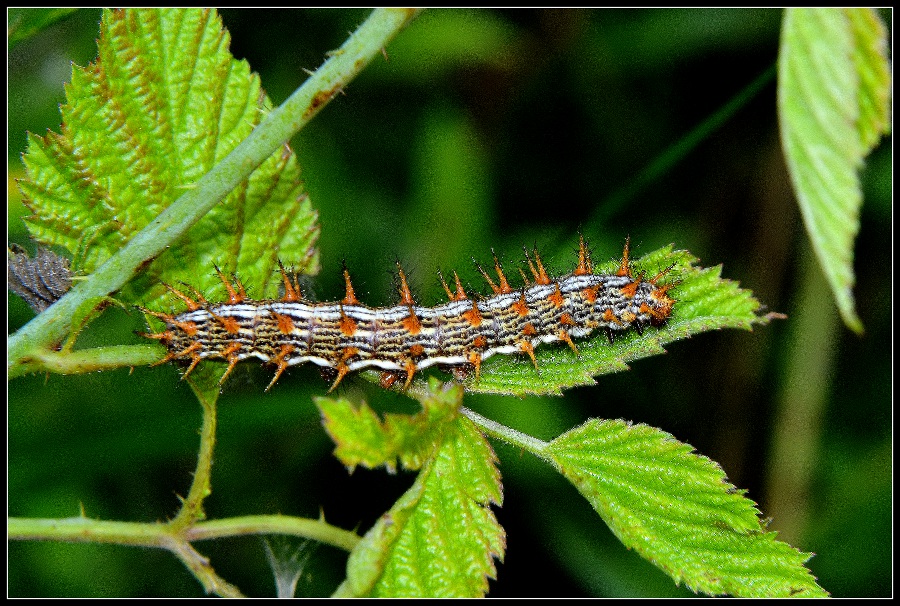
(498, 129)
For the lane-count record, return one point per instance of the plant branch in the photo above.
(277, 127)
(87, 360)
(199, 566)
(192, 507)
(511, 436)
(176, 536)
(316, 530)
(177, 539)
(86, 530)
(165, 535)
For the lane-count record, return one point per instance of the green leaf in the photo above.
(833, 84)
(163, 103)
(872, 66)
(363, 439)
(704, 301)
(678, 510)
(441, 537)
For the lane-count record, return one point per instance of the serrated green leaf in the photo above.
(440, 538)
(163, 103)
(677, 509)
(362, 438)
(871, 62)
(832, 105)
(704, 301)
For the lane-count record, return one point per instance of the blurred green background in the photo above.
(494, 128)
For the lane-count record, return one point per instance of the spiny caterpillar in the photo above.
(346, 336)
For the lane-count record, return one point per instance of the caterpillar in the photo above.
(458, 336)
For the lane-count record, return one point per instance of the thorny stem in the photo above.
(199, 566)
(176, 536)
(316, 530)
(167, 536)
(277, 127)
(26, 348)
(192, 507)
(164, 535)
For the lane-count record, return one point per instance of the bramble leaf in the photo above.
(362, 438)
(677, 509)
(873, 68)
(440, 538)
(704, 301)
(833, 89)
(162, 104)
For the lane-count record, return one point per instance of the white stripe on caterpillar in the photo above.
(346, 336)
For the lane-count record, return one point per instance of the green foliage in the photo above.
(833, 93)
(164, 102)
(362, 438)
(441, 537)
(704, 302)
(678, 510)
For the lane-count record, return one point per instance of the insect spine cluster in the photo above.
(345, 336)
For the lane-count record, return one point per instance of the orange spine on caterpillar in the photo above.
(345, 336)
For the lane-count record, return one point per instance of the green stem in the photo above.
(199, 566)
(511, 436)
(177, 539)
(165, 536)
(316, 530)
(192, 507)
(136, 534)
(277, 127)
(88, 360)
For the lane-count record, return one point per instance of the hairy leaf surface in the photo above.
(164, 102)
(440, 538)
(677, 509)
